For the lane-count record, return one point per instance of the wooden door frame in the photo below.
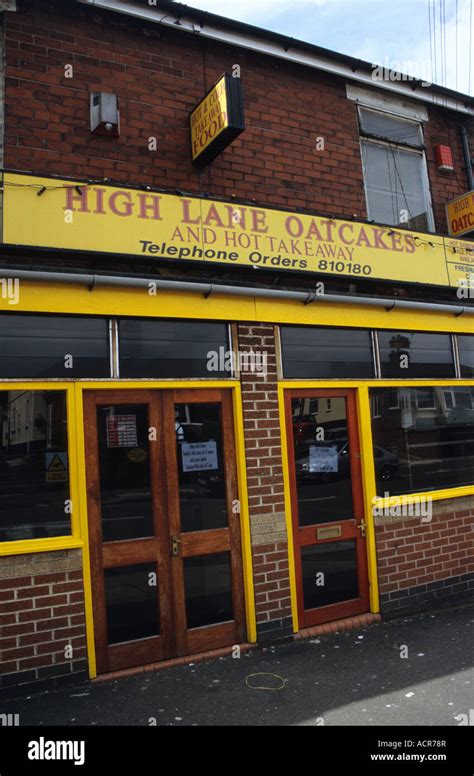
(225, 633)
(151, 549)
(320, 615)
(225, 539)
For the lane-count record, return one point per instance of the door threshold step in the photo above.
(348, 623)
(199, 657)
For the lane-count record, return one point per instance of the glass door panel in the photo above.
(129, 538)
(322, 460)
(327, 505)
(206, 560)
(124, 471)
(202, 487)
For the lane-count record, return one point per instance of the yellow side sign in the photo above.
(217, 120)
(65, 215)
(209, 118)
(460, 215)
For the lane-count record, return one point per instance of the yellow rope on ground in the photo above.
(259, 687)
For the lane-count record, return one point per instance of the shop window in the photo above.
(156, 348)
(407, 354)
(428, 444)
(466, 354)
(314, 352)
(53, 346)
(34, 465)
(395, 173)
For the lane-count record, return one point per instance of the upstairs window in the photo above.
(395, 174)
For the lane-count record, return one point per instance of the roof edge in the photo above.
(229, 31)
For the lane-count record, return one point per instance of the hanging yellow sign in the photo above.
(69, 215)
(217, 120)
(460, 215)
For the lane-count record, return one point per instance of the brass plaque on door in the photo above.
(329, 533)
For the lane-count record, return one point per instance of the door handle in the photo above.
(362, 526)
(175, 542)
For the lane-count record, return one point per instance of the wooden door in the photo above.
(204, 519)
(128, 532)
(163, 524)
(327, 505)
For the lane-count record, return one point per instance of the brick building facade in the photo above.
(301, 154)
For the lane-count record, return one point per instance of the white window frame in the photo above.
(425, 388)
(407, 148)
(376, 406)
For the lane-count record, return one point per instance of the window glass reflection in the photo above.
(124, 470)
(200, 467)
(466, 354)
(407, 354)
(53, 346)
(34, 465)
(426, 442)
(208, 588)
(329, 573)
(132, 602)
(322, 461)
(313, 351)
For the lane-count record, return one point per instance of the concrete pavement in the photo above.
(355, 677)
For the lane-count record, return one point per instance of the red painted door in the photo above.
(327, 505)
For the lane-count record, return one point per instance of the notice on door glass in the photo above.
(122, 431)
(199, 456)
(323, 459)
(56, 467)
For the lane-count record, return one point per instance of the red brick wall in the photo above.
(417, 559)
(265, 485)
(159, 76)
(40, 615)
(443, 128)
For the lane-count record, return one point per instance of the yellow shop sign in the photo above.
(460, 215)
(217, 120)
(70, 215)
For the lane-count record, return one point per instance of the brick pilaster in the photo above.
(265, 486)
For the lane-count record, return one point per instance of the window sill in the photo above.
(435, 495)
(52, 544)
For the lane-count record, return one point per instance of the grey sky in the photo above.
(395, 32)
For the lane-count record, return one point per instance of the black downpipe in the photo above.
(467, 152)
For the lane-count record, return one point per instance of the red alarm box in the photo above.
(444, 158)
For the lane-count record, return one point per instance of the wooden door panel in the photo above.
(126, 554)
(211, 637)
(207, 542)
(324, 536)
(136, 653)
